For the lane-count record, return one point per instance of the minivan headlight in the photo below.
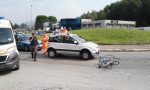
(11, 49)
(8, 51)
(13, 56)
(2, 51)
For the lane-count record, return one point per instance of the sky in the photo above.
(20, 11)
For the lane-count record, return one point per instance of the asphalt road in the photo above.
(71, 73)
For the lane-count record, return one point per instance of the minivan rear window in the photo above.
(6, 36)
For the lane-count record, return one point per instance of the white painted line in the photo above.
(125, 49)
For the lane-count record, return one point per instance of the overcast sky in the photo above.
(19, 11)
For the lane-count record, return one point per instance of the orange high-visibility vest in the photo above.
(44, 41)
(65, 31)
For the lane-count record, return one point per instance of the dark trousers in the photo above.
(34, 51)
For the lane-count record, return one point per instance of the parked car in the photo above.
(40, 33)
(72, 44)
(23, 43)
(19, 33)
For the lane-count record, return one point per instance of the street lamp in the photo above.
(31, 16)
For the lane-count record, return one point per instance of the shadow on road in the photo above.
(3, 73)
(59, 57)
(67, 57)
(40, 56)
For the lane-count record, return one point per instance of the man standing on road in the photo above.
(34, 43)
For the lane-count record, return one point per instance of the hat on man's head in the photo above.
(61, 28)
(33, 33)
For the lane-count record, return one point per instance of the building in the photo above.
(143, 28)
(108, 24)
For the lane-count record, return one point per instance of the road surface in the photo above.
(71, 73)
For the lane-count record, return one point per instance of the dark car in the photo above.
(40, 33)
(23, 43)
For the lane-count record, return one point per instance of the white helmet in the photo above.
(62, 28)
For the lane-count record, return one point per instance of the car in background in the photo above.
(40, 33)
(19, 33)
(23, 43)
(72, 44)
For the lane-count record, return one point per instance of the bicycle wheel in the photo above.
(115, 62)
(98, 66)
(109, 66)
(111, 57)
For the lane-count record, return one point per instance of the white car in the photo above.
(72, 44)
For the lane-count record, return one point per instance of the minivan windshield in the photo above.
(6, 36)
(79, 38)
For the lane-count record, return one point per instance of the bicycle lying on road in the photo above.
(107, 61)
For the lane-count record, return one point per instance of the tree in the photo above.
(125, 10)
(130, 10)
(145, 13)
(94, 15)
(15, 26)
(83, 16)
(88, 15)
(52, 19)
(40, 20)
(101, 15)
(23, 25)
(113, 11)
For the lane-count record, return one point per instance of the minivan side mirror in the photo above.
(75, 42)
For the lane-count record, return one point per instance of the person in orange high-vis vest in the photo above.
(44, 43)
(65, 30)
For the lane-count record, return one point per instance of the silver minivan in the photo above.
(9, 55)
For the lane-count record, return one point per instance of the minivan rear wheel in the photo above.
(51, 53)
(86, 55)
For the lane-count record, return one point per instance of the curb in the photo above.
(124, 50)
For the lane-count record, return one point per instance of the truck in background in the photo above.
(71, 23)
(50, 27)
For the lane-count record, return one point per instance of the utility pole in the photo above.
(26, 20)
(31, 17)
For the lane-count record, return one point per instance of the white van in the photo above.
(9, 55)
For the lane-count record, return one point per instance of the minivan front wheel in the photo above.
(17, 65)
(51, 53)
(86, 55)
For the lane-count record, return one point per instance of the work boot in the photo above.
(35, 57)
(32, 55)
